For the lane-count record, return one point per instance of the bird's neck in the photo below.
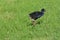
(42, 12)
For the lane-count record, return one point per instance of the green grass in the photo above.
(15, 22)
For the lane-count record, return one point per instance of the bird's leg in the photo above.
(33, 22)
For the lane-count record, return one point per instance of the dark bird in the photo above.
(35, 15)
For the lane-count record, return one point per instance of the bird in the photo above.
(35, 15)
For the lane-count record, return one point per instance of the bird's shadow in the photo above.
(38, 22)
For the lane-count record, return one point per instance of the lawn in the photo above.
(16, 25)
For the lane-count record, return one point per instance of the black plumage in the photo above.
(37, 14)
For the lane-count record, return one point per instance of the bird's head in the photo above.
(43, 10)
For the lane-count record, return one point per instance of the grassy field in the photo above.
(15, 22)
